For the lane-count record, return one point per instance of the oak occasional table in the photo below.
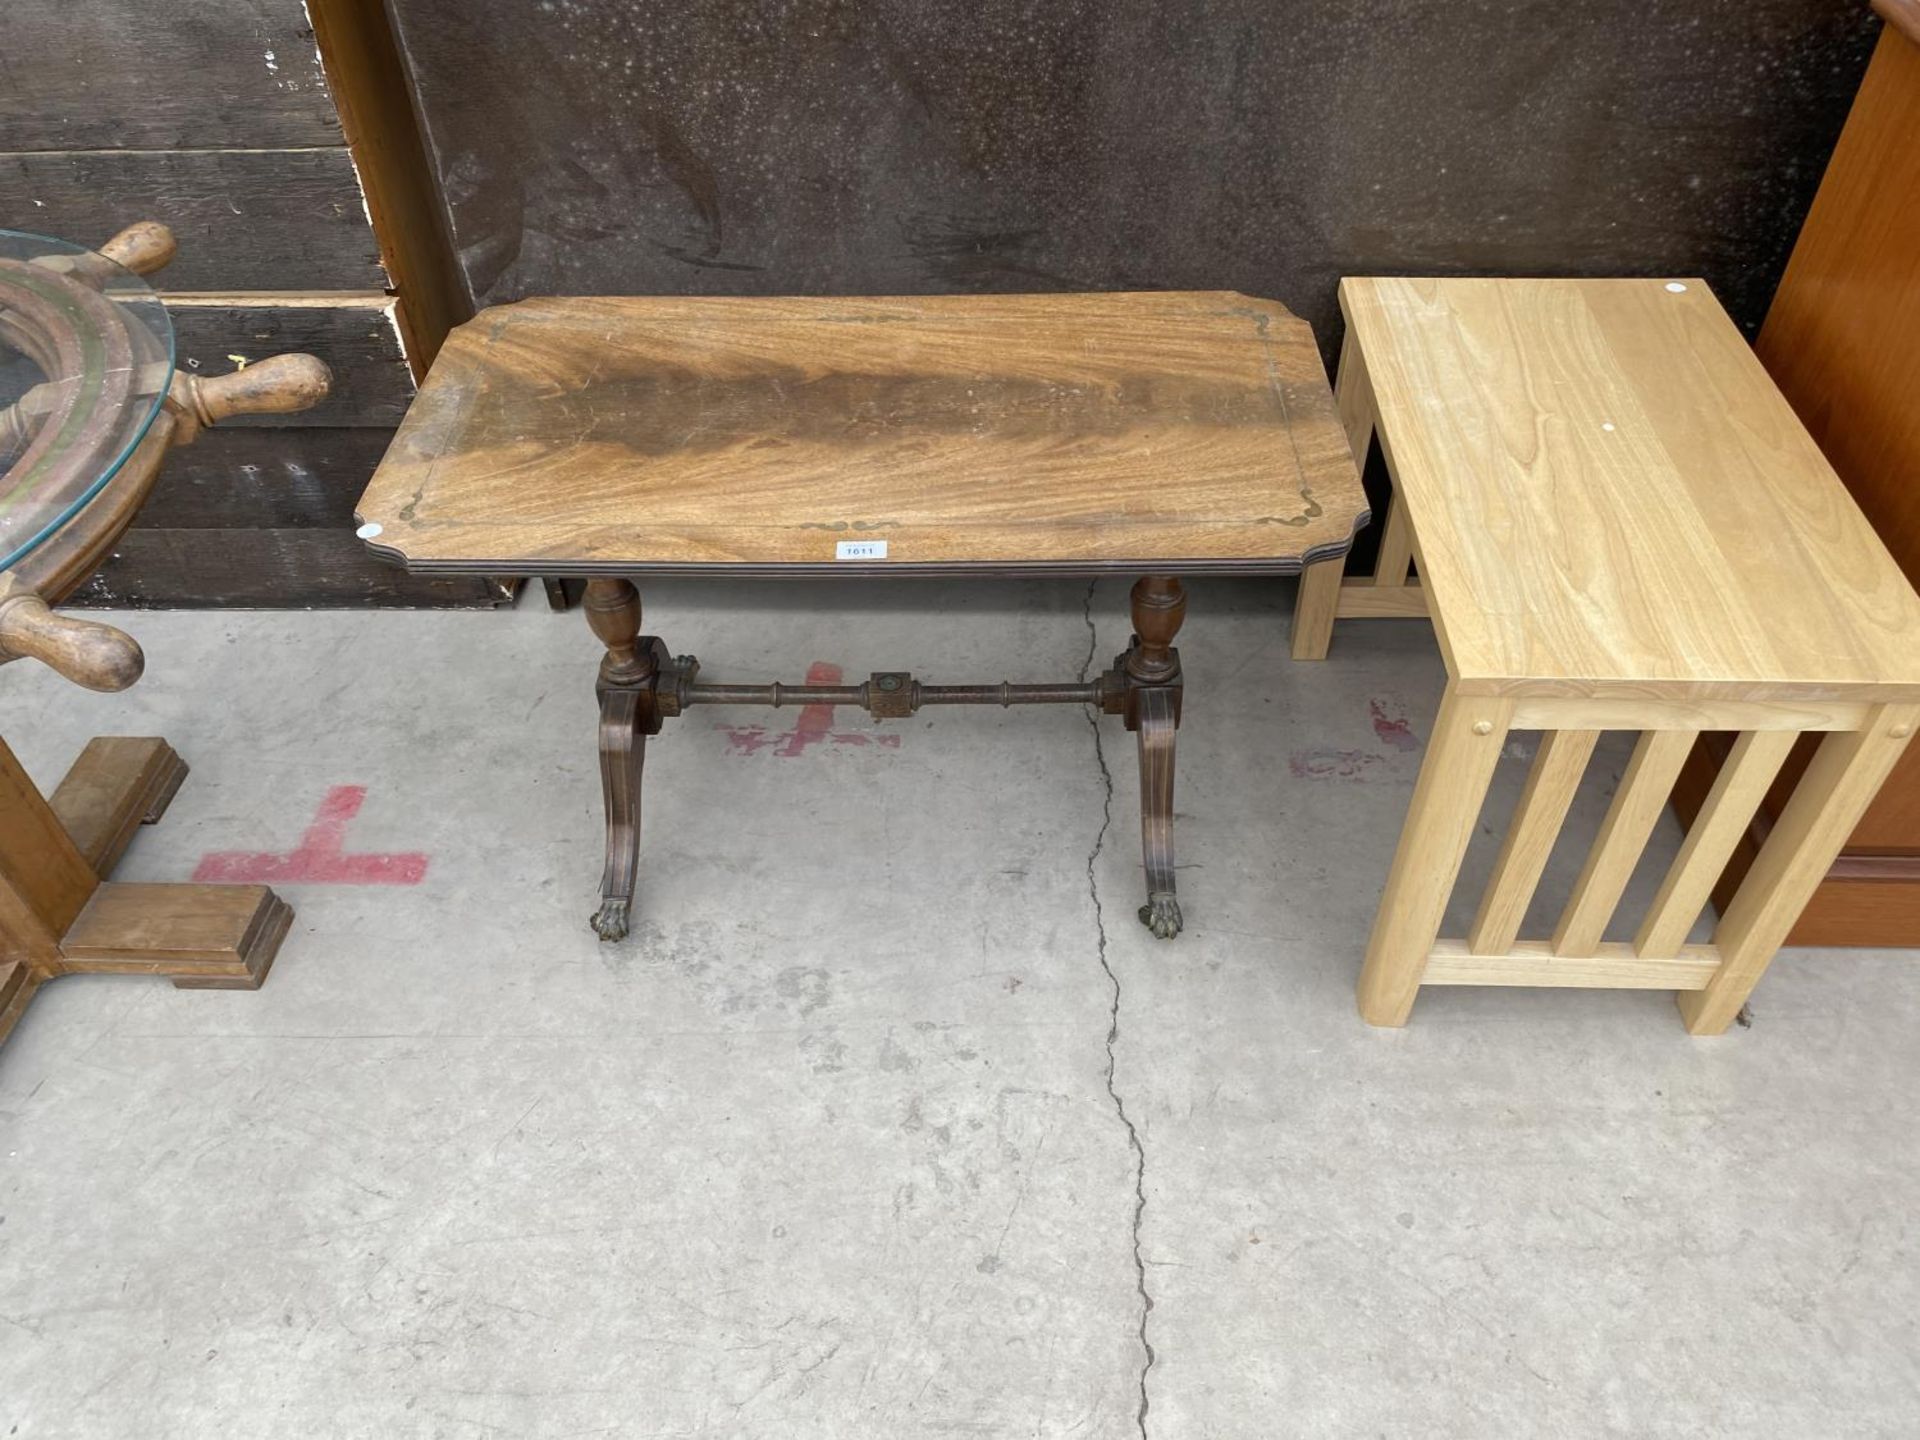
(1615, 522)
(1154, 435)
(89, 404)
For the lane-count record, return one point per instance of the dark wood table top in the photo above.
(1179, 433)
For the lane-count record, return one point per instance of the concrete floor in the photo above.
(890, 1120)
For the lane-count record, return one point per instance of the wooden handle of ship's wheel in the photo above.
(85, 651)
(143, 247)
(279, 385)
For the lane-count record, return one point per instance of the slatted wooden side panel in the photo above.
(1577, 954)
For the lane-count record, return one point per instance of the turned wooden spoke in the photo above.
(87, 652)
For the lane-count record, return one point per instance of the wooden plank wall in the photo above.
(218, 119)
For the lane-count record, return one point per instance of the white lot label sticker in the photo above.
(860, 550)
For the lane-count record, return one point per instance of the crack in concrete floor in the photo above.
(1113, 1022)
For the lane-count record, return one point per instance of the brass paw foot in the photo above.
(1161, 914)
(610, 920)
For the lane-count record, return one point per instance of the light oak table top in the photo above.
(1176, 433)
(1610, 498)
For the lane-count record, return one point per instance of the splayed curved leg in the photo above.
(1157, 730)
(1152, 670)
(627, 676)
(623, 751)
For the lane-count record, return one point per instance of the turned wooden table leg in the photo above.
(1153, 713)
(625, 688)
(623, 752)
(1158, 726)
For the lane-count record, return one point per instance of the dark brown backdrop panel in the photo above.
(754, 146)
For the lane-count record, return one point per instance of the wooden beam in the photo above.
(1611, 966)
(1361, 599)
(371, 87)
(1577, 713)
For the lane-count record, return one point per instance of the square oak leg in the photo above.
(1835, 791)
(1387, 594)
(1465, 746)
(1315, 608)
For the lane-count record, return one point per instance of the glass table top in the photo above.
(86, 355)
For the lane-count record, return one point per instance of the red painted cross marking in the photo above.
(320, 858)
(813, 727)
(1391, 731)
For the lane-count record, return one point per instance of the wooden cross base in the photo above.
(60, 915)
(641, 685)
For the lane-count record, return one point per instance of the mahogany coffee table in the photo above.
(1157, 435)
